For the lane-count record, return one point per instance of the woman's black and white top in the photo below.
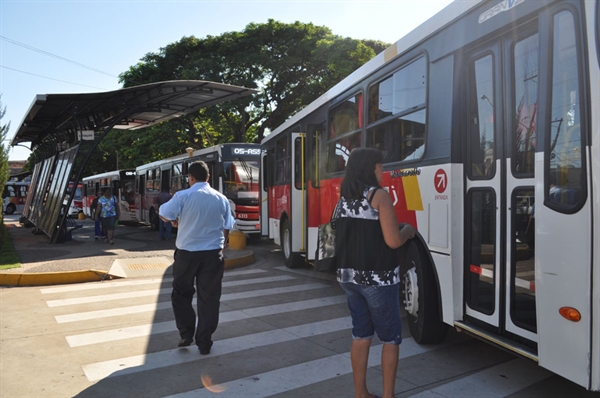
(362, 255)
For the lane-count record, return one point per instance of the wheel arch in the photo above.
(424, 249)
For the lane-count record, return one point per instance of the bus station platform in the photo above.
(137, 252)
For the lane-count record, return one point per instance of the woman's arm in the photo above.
(393, 236)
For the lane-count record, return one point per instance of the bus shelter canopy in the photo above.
(64, 129)
(127, 109)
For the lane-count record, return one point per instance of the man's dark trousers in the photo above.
(205, 270)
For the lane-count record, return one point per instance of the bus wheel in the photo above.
(420, 296)
(291, 259)
(153, 220)
(10, 209)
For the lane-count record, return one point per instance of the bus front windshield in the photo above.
(128, 192)
(240, 181)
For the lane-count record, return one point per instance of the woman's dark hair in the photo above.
(199, 170)
(360, 172)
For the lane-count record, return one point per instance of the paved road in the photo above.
(283, 333)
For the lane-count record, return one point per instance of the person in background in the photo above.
(164, 227)
(108, 211)
(367, 234)
(203, 218)
(99, 233)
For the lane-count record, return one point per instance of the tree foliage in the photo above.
(4, 150)
(289, 64)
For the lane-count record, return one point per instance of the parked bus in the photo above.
(233, 171)
(14, 196)
(77, 202)
(488, 119)
(121, 182)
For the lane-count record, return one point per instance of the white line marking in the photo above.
(152, 292)
(285, 379)
(156, 360)
(164, 327)
(133, 282)
(137, 309)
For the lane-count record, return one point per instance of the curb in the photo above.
(52, 278)
(68, 277)
(231, 263)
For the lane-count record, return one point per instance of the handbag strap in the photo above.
(335, 214)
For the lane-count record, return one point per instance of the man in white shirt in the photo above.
(203, 218)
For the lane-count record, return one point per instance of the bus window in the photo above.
(298, 180)
(526, 100)
(566, 180)
(128, 191)
(523, 311)
(481, 250)
(177, 177)
(401, 95)
(481, 138)
(282, 160)
(345, 124)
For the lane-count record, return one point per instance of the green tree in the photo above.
(4, 168)
(290, 64)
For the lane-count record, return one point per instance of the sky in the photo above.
(81, 46)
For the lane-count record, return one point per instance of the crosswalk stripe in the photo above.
(156, 360)
(152, 292)
(280, 380)
(137, 309)
(285, 379)
(101, 285)
(164, 327)
(134, 309)
(133, 282)
(501, 380)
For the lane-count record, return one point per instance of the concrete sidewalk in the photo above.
(137, 252)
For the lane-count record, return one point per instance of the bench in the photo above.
(71, 226)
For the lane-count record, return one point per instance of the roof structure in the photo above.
(64, 129)
(61, 116)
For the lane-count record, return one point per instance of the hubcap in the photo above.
(411, 292)
(286, 243)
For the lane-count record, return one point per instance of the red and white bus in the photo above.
(14, 196)
(77, 202)
(233, 171)
(488, 118)
(121, 182)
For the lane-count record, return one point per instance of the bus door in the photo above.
(297, 208)
(298, 192)
(264, 194)
(287, 200)
(142, 197)
(516, 277)
(500, 249)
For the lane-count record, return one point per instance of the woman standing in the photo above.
(108, 211)
(367, 234)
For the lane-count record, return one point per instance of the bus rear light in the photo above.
(570, 314)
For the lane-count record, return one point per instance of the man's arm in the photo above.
(226, 234)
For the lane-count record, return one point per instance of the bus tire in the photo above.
(153, 220)
(419, 296)
(10, 209)
(291, 259)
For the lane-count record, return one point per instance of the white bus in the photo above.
(121, 183)
(14, 196)
(233, 171)
(488, 116)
